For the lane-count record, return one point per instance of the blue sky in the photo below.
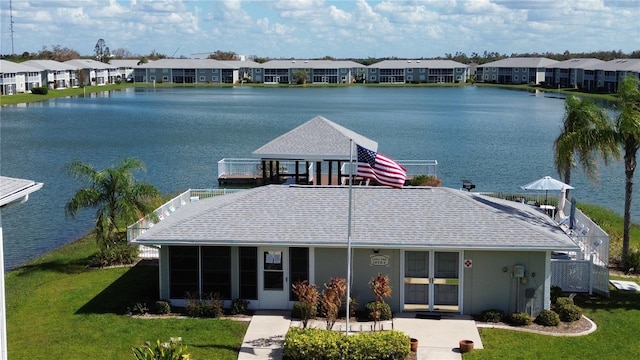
(317, 28)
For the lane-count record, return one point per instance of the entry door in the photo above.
(274, 278)
(431, 280)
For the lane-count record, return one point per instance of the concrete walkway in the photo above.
(438, 335)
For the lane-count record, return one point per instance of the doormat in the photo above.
(625, 285)
(428, 316)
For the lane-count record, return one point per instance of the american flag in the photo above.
(380, 168)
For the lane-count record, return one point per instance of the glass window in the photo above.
(298, 267)
(183, 271)
(216, 270)
(248, 273)
(273, 270)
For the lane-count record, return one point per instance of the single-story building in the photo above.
(443, 249)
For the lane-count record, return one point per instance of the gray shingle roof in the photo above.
(426, 64)
(311, 64)
(618, 65)
(187, 64)
(11, 67)
(14, 189)
(414, 217)
(317, 139)
(578, 63)
(50, 65)
(89, 64)
(526, 62)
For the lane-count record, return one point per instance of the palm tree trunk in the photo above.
(629, 169)
(567, 179)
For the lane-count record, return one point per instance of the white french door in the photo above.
(431, 280)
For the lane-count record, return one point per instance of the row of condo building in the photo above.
(588, 74)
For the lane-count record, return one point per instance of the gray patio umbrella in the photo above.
(546, 183)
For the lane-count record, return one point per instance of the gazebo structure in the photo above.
(315, 153)
(313, 144)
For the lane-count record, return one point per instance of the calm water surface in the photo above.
(499, 139)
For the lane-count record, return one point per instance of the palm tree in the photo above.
(628, 133)
(115, 195)
(587, 134)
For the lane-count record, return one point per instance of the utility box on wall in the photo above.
(518, 271)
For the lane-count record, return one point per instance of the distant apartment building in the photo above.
(417, 71)
(95, 72)
(54, 74)
(18, 78)
(515, 71)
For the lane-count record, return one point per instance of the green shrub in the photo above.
(520, 319)
(299, 310)
(633, 261)
(329, 345)
(161, 307)
(239, 306)
(548, 318)
(492, 315)
(425, 180)
(171, 350)
(383, 307)
(140, 308)
(118, 254)
(43, 90)
(562, 301)
(570, 313)
(210, 306)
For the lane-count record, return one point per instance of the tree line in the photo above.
(103, 54)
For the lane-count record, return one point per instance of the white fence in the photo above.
(577, 271)
(582, 276)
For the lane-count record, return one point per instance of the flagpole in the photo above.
(349, 232)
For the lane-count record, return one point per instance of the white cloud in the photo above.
(307, 28)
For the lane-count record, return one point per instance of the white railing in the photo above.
(420, 167)
(578, 271)
(414, 167)
(229, 167)
(236, 167)
(167, 209)
(582, 276)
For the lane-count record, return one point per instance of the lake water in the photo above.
(500, 139)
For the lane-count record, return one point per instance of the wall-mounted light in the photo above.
(375, 251)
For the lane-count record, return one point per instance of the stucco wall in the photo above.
(489, 282)
(333, 262)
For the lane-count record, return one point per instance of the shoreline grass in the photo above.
(22, 98)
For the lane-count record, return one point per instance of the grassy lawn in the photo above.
(59, 309)
(617, 319)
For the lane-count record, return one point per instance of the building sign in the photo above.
(379, 260)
